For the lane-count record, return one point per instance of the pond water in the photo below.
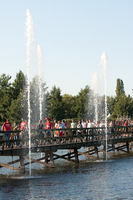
(98, 180)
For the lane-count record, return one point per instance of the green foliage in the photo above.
(82, 103)
(124, 106)
(69, 103)
(55, 104)
(119, 88)
(17, 91)
(5, 96)
(13, 101)
(15, 109)
(111, 103)
(18, 84)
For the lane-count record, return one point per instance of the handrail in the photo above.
(87, 134)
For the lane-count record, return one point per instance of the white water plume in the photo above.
(94, 86)
(104, 64)
(40, 65)
(29, 46)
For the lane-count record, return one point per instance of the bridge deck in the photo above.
(92, 139)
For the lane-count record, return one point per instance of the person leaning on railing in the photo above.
(40, 127)
(79, 130)
(73, 126)
(48, 126)
(7, 127)
(83, 124)
(16, 135)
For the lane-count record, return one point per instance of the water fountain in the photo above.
(40, 64)
(94, 87)
(104, 64)
(29, 43)
(31, 52)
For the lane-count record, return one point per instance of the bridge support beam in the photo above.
(21, 164)
(46, 157)
(49, 157)
(96, 151)
(76, 155)
(127, 144)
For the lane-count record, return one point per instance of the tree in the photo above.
(6, 97)
(119, 88)
(69, 103)
(55, 104)
(82, 103)
(16, 109)
(18, 85)
(17, 91)
(123, 107)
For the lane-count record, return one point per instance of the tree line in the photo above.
(13, 101)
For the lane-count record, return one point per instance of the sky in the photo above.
(73, 34)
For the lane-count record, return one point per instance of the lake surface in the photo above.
(98, 180)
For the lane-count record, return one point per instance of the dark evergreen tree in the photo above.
(17, 91)
(119, 88)
(5, 96)
(55, 104)
(82, 103)
(69, 102)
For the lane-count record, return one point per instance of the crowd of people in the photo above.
(75, 127)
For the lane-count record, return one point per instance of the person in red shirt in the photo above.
(48, 126)
(23, 125)
(7, 127)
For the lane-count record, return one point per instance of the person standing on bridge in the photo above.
(90, 126)
(16, 135)
(79, 130)
(61, 126)
(73, 126)
(40, 131)
(24, 130)
(7, 127)
(48, 126)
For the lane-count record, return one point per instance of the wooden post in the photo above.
(113, 147)
(127, 143)
(46, 157)
(21, 164)
(104, 149)
(96, 150)
(51, 159)
(69, 151)
(117, 147)
(76, 155)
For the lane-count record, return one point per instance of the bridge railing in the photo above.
(62, 136)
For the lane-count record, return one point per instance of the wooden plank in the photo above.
(43, 158)
(88, 155)
(10, 163)
(37, 161)
(63, 157)
(10, 167)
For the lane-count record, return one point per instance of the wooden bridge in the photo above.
(92, 139)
